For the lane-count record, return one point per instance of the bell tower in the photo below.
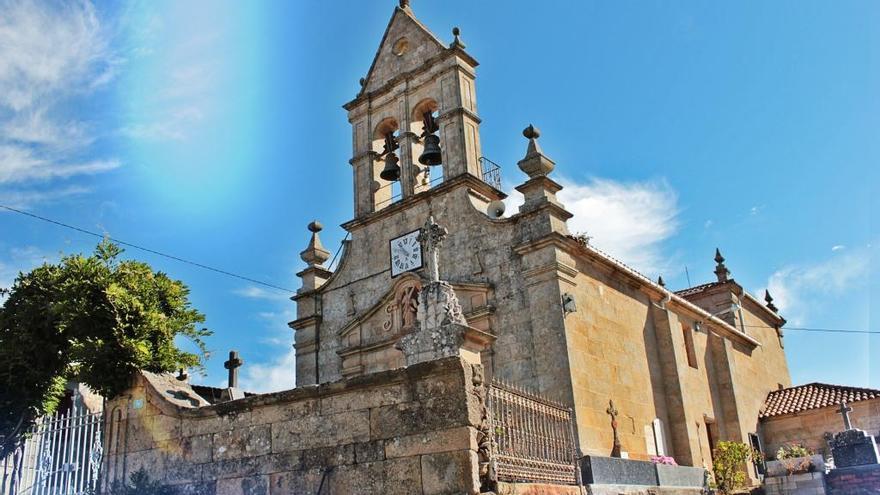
(414, 121)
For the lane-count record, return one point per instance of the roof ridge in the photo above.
(813, 395)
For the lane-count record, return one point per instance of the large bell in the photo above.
(431, 153)
(391, 172)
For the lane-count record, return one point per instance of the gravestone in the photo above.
(853, 447)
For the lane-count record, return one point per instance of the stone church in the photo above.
(455, 348)
(556, 316)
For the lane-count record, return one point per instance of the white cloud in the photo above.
(24, 199)
(756, 209)
(278, 374)
(797, 289)
(627, 220)
(838, 247)
(51, 54)
(186, 77)
(254, 292)
(20, 164)
(47, 49)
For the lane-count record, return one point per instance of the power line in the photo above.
(266, 284)
(148, 250)
(828, 330)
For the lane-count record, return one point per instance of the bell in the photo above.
(431, 154)
(391, 172)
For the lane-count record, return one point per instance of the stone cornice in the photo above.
(554, 209)
(305, 322)
(775, 317)
(319, 270)
(462, 180)
(453, 112)
(546, 182)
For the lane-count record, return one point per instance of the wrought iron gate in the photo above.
(61, 456)
(532, 437)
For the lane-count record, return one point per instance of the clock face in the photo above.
(406, 253)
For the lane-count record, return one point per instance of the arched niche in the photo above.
(425, 177)
(384, 191)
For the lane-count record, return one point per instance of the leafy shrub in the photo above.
(792, 451)
(729, 465)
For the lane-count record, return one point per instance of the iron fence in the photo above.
(60, 456)
(532, 437)
(491, 172)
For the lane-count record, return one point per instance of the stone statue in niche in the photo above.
(402, 309)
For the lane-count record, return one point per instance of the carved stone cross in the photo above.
(612, 411)
(844, 411)
(232, 365)
(431, 236)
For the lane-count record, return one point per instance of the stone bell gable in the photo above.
(407, 46)
(412, 74)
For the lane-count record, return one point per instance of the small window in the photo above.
(759, 462)
(689, 345)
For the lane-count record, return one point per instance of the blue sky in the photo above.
(214, 131)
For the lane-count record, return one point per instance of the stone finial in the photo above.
(660, 281)
(315, 254)
(769, 300)
(535, 163)
(404, 4)
(721, 270)
(456, 42)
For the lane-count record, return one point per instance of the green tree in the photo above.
(91, 319)
(729, 465)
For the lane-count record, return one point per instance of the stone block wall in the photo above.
(796, 484)
(410, 430)
(858, 480)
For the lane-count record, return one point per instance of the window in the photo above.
(689, 345)
(756, 444)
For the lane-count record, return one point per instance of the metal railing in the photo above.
(491, 172)
(532, 437)
(61, 456)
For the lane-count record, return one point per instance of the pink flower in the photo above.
(663, 459)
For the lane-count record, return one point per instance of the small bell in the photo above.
(391, 172)
(431, 154)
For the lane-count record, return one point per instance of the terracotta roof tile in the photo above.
(812, 396)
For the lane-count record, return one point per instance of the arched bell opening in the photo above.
(426, 150)
(386, 168)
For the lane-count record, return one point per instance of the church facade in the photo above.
(548, 312)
